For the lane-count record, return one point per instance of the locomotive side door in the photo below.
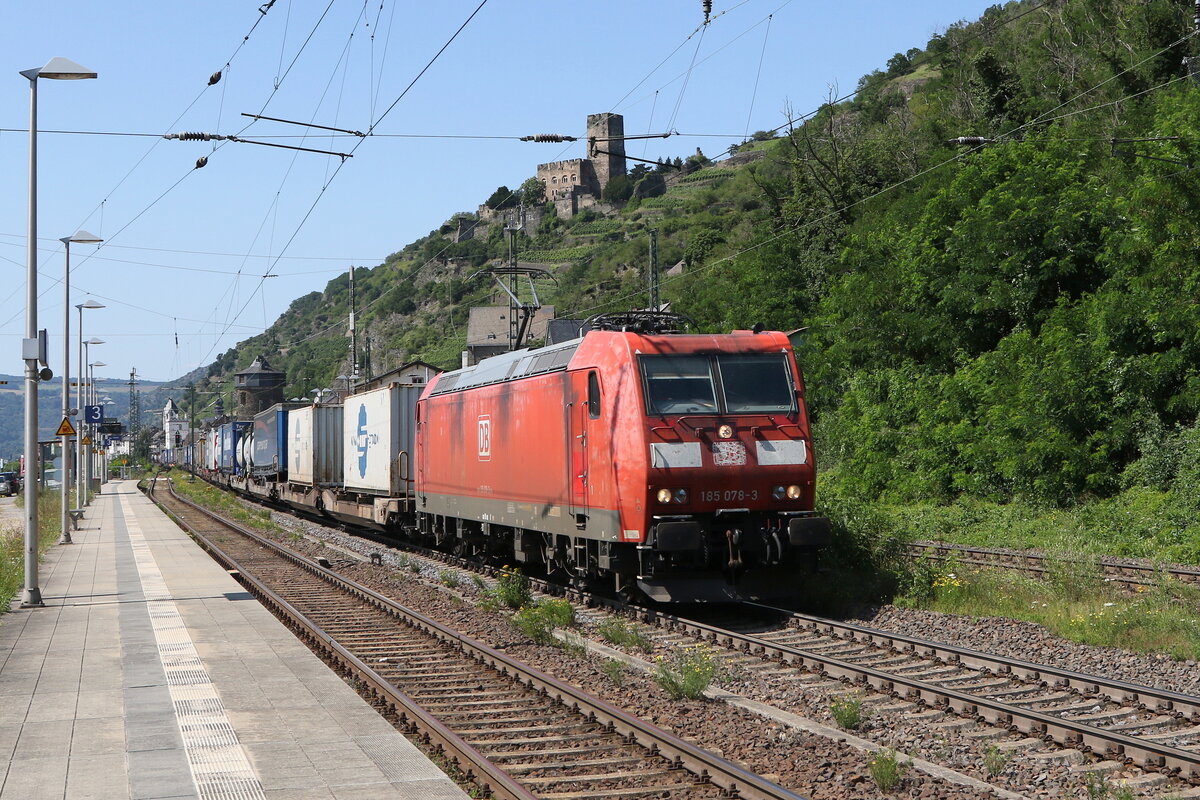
(577, 429)
(420, 438)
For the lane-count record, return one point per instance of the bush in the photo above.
(687, 672)
(511, 589)
(539, 621)
(848, 713)
(619, 632)
(887, 769)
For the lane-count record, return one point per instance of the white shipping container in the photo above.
(379, 432)
(315, 445)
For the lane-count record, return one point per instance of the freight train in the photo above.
(637, 457)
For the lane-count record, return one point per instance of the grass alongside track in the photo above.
(224, 503)
(1074, 603)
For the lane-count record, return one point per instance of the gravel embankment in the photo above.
(813, 765)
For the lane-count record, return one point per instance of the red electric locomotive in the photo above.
(675, 465)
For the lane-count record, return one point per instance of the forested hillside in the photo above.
(1013, 318)
(12, 407)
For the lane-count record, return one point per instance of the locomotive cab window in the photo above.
(756, 383)
(679, 385)
(593, 396)
(726, 383)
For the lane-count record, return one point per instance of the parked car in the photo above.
(10, 483)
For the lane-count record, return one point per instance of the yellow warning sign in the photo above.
(65, 428)
(87, 439)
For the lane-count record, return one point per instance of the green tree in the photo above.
(617, 190)
(533, 192)
(503, 197)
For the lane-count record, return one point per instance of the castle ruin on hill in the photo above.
(576, 184)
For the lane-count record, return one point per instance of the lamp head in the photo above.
(94, 341)
(82, 237)
(90, 304)
(60, 69)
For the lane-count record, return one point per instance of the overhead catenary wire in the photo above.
(262, 10)
(231, 291)
(339, 167)
(48, 240)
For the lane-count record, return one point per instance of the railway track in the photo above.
(1126, 572)
(513, 730)
(1156, 730)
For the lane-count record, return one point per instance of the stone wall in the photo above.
(467, 228)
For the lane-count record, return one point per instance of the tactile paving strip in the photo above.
(220, 768)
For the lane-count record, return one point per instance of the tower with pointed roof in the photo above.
(257, 388)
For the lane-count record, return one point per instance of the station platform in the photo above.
(150, 673)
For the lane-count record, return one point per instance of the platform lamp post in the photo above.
(57, 68)
(80, 237)
(94, 397)
(83, 490)
(107, 402)
(80, 496)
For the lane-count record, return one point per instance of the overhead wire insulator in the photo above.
(195, 136)
(201, 162)
(215, 78)
(707, 10)
(549, 137)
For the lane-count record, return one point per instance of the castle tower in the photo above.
(606, 132)
(257, 388)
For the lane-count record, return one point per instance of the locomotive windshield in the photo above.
(679, 384)
(756, 383)
(725, 383)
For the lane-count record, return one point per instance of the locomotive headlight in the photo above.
(681, 495)
(725, 431)
(664, 495)
(779, 493)
(793, 492)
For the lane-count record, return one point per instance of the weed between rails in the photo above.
(687, 672)
(887, 769)
(538, 621)
(622, 634)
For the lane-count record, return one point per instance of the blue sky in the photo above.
(178, 237)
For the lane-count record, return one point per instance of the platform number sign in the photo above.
(93, 415)
(485, 438)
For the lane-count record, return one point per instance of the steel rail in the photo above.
(993, 712)
(1143, 696)
(710, 768)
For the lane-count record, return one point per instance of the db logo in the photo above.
(485, 438)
